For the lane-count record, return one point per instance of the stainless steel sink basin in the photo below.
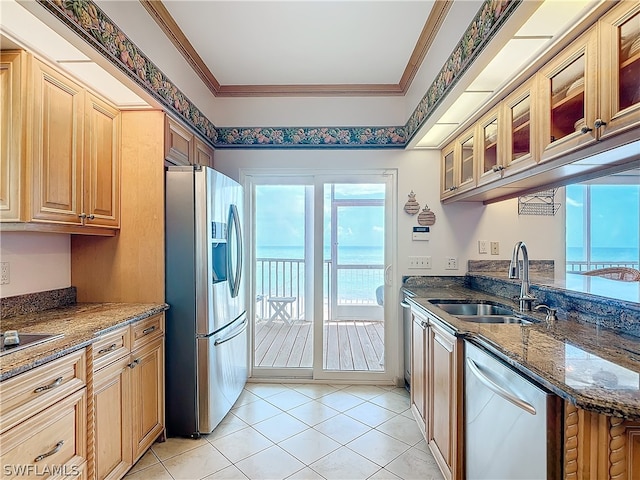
(474, 308)
(493, 319)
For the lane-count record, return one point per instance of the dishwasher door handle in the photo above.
(518, 402)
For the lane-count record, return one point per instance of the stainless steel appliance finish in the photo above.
(512, 427)
(206, 339)
(406, 334)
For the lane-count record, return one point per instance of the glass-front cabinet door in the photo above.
(490, 149)
(620, 60)
(465, 176)
(520, 150)
(568, 99)
(447, 175)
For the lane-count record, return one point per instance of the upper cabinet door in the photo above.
(568, 99)
(620, 70)
(12, 116)
(203, 154)
(520, 129)
(490, 148)
(465, 173)
(447, 167)
(101, 164)
(56, 147)
(178, 143)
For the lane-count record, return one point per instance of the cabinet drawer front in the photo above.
(28, 393)
(53, 441)
(147, 330)
(110, 347)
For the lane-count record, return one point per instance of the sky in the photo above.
(280, 216)
(615, 216)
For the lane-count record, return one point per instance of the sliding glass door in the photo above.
(321, 246)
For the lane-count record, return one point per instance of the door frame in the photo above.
(392, 328)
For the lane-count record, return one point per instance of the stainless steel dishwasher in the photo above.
(512, 426)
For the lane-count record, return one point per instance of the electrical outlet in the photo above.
(495, 248)
(4, 273)
(482, 246)
(419, 262)
(452, 263)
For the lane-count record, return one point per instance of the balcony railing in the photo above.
(285, 278)
(583, 266)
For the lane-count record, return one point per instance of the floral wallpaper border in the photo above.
(87, 20)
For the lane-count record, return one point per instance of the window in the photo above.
(603, 223)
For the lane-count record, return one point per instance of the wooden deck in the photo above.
(348, 345)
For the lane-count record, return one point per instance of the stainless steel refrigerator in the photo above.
(206, 324)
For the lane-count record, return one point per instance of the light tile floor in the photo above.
(301, 431)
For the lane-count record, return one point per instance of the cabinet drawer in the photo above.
(28, 393)
(110, 347)
(49, 444)
(147, 330)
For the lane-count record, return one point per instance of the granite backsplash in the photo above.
(37, 302)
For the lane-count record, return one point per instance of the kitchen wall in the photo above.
(41, 261)
(458, 226)
(37, 262)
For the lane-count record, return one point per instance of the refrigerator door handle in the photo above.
(234, 220)
(240, 329)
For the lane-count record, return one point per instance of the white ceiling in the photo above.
(304, 42)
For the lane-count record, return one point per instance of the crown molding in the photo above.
(168, 25)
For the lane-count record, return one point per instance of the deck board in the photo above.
(348, 345)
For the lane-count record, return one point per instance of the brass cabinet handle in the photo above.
(134, 363)
(110, 348)
(44, 388)
(55, 449)
(148, 330)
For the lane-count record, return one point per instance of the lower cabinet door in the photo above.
(112, 403)
(50, 444)
(147, 389)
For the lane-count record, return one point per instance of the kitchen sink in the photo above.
(26, 340)
(472, 308)
(480, 311)
(493, 319)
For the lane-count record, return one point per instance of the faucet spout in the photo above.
(514, 272)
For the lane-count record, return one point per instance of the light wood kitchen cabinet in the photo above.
(598, 446)
(112, 426)
(568, 99)
(445, 399)
(183, 147)
(519, 148)
(56, 138)
(459, 163)
(128, 395)
(584, 100)
(203, 153)
(147, 388)
(44, 420)
(620, 58)
(64, 149)
(13, 66)
(490, 149)
(101, 203)
(419, 356)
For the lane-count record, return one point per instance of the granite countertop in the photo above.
(592, 367)
(80, 324)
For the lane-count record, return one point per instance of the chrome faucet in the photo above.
(514, 272)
